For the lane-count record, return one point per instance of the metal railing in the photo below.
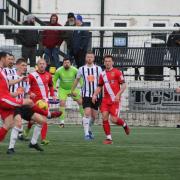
(140, 56)
(15, 13)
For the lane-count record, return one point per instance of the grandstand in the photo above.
(141, 53)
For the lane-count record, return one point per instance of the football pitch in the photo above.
(146, 154)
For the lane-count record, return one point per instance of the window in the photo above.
(120, 39)
(160, 37)
(87, 23)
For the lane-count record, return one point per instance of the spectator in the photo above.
(79, 43)
(29, 40)
(174, 48)
(68, 35)
(52, 40)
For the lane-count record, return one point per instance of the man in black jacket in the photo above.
(29, 40)
(173, 44)
(80, 43)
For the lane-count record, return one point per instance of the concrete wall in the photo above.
(133, 119)
(136, 12)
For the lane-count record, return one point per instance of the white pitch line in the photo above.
(124, 146)
(116, 132)
(112, 145)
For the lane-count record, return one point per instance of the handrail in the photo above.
(23, 11)
(93, 28)
(12, 20)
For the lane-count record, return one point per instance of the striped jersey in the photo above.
(90, 75)
(9, 71)
(21, 88)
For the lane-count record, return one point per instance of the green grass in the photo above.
(147, 154)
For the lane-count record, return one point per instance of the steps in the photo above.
(10, 46)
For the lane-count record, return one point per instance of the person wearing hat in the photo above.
(29, 40)
(68, 35)
(173, 43)
(51, 41)
(80, 41)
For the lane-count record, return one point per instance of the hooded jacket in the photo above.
(52, 38)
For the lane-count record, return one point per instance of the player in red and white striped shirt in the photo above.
(113, 84)
(41, 87)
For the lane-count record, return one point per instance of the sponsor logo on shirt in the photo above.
(91, 78)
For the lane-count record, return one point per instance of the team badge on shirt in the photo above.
(47, 77)
(113, 74)
(20, 90)
(91, 78)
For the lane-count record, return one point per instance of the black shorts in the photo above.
(25, 112)
(87, 102)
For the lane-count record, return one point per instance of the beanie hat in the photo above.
(71, 15)
(79, 17)
(30, 17)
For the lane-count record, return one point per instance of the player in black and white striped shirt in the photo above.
(90, 74)
(10, 70)
(20, 90)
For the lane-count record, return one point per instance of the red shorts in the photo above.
(112, 107)
(8, 105)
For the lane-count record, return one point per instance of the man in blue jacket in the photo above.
(80, 42)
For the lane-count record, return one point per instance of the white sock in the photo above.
(124, 125)
(62, 121)
(21, 129)
(36, 133)
(91, 122)
(14, 135)
(86, 121)
(109, 137)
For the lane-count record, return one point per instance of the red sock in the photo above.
(106, 127)
(3, 133)
(44, 131)
(29, 125)
(120, 122)
(39, 110)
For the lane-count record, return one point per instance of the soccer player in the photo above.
(20, 90)
(113, 84)
(10, 70)
(90, 75)
(66, 76)
(41, 85)
(7, 102)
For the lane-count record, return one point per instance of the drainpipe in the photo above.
(102, 24)
(30, 6)
(19, 12)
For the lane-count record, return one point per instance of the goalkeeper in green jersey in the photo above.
(65, 76)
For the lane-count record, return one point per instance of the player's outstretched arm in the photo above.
(97, 91)
(118, 95)
(15, 81)
(55, 78)
(123, 88)
(75, 85)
